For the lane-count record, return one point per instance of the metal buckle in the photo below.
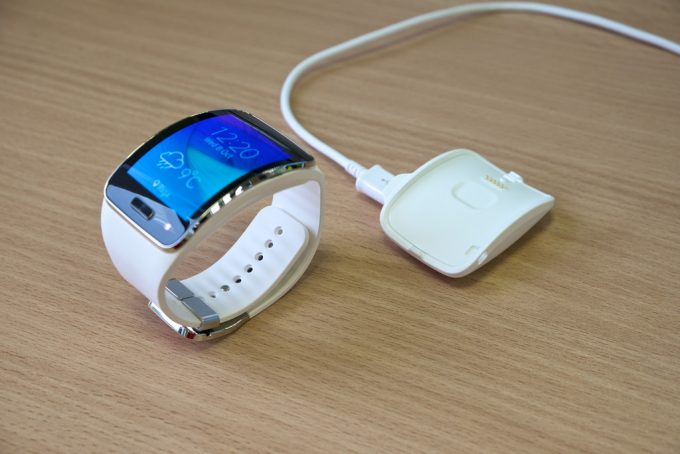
(208, 317)
(210, 326)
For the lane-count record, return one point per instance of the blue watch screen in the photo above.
(189, 167)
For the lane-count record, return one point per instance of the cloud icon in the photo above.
(171, 160)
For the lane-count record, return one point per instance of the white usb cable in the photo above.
(372, 181)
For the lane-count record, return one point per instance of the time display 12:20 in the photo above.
(228, 143)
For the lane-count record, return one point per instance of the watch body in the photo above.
(181, 175)
(184, 183)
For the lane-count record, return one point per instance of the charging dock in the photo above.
(459, 211)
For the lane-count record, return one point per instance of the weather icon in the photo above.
(170, 160)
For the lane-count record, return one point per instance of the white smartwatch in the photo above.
(187, 181)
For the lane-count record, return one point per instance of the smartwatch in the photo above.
(190, 179)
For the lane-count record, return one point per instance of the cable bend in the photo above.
(328, 55)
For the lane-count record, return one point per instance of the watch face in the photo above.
(171, 180)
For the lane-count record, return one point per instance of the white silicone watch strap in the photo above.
(290, 226)
(254, 266)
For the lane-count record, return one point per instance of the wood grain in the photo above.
(568, 342)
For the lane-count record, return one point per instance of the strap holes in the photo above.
(237, 279)
(269, 244)
(249, 268)
(225, 288)
(259, 256)
(212, 294)
(278, 231)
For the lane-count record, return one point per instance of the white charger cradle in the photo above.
(458, 211)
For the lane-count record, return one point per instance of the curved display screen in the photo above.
(167, 184)
(187, 168)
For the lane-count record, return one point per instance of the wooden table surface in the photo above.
(569, 341)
